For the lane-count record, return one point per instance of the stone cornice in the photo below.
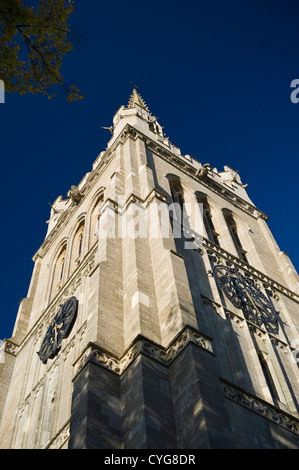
(259, 406)
(165, 356)
(141, 345)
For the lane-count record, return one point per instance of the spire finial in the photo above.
(136, 98)
(134, 85)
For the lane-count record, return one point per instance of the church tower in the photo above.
(161, 313)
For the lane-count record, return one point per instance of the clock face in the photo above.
(244, 294)
(58, 329)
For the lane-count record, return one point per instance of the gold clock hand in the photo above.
(253, 302)
(56, 332)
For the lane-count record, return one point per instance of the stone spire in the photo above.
(136, 98)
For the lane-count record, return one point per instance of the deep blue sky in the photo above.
(216, 73)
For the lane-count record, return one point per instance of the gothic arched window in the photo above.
(207, 219)
(177, 196)
(62, 263)
(268, 378)
(80, 240)
(232, 227)
(94, 219)
(177, 193)
(58, 272)
(77, 247)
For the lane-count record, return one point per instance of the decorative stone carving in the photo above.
(210, 303)
(237, 320)
(75, 194)
(259, 333)
(203, 171)
(285, 348)
(60, 438)
(163, 355)
(9, 347)
(260, 407)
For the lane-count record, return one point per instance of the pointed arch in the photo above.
(207, 217)
(58, 269)
(94, 211)
(269, 378)
(177, 197)
(234, 233)
(77, 251)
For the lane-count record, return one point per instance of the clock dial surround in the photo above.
(244, 294)
(58, 329)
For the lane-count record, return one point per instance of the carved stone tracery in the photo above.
(142, 346)
(260, 407)
(60, 439)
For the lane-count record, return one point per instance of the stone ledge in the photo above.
(60, 438)
(260, 407)
(141, 345)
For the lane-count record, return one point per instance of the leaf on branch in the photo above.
(33, 44)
